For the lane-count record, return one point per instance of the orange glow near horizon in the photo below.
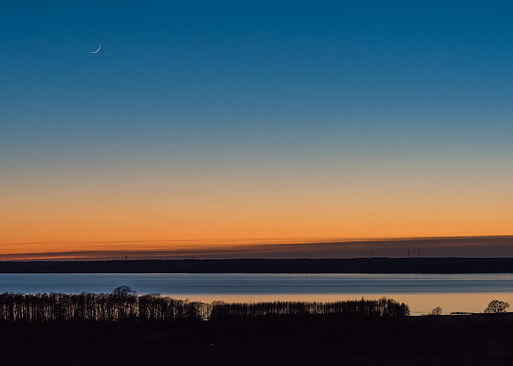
(108, 209)
(74, 232)
(108, 229)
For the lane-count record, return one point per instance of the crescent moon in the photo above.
(98, 50)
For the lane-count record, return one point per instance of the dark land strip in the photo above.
(343, 265)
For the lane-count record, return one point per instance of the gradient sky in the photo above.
(251, 121)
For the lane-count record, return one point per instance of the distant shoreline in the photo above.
(342, 265)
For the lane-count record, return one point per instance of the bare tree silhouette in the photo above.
(436, 311)
(123, 291)
(496, 306)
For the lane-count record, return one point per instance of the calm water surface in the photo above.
(422, 292)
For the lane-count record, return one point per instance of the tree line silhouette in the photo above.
(96, 307)
(379, 308)
(43, 308)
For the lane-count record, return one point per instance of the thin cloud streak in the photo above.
(462, 246)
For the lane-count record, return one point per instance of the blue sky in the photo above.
(239, 72)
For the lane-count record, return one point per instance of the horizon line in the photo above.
(430, 246)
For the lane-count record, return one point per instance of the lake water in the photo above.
(422, 292)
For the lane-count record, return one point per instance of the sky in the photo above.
(221, 123)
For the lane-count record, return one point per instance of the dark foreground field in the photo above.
(309, 340)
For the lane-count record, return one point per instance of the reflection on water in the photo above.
(422, 292)
(418, 303)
